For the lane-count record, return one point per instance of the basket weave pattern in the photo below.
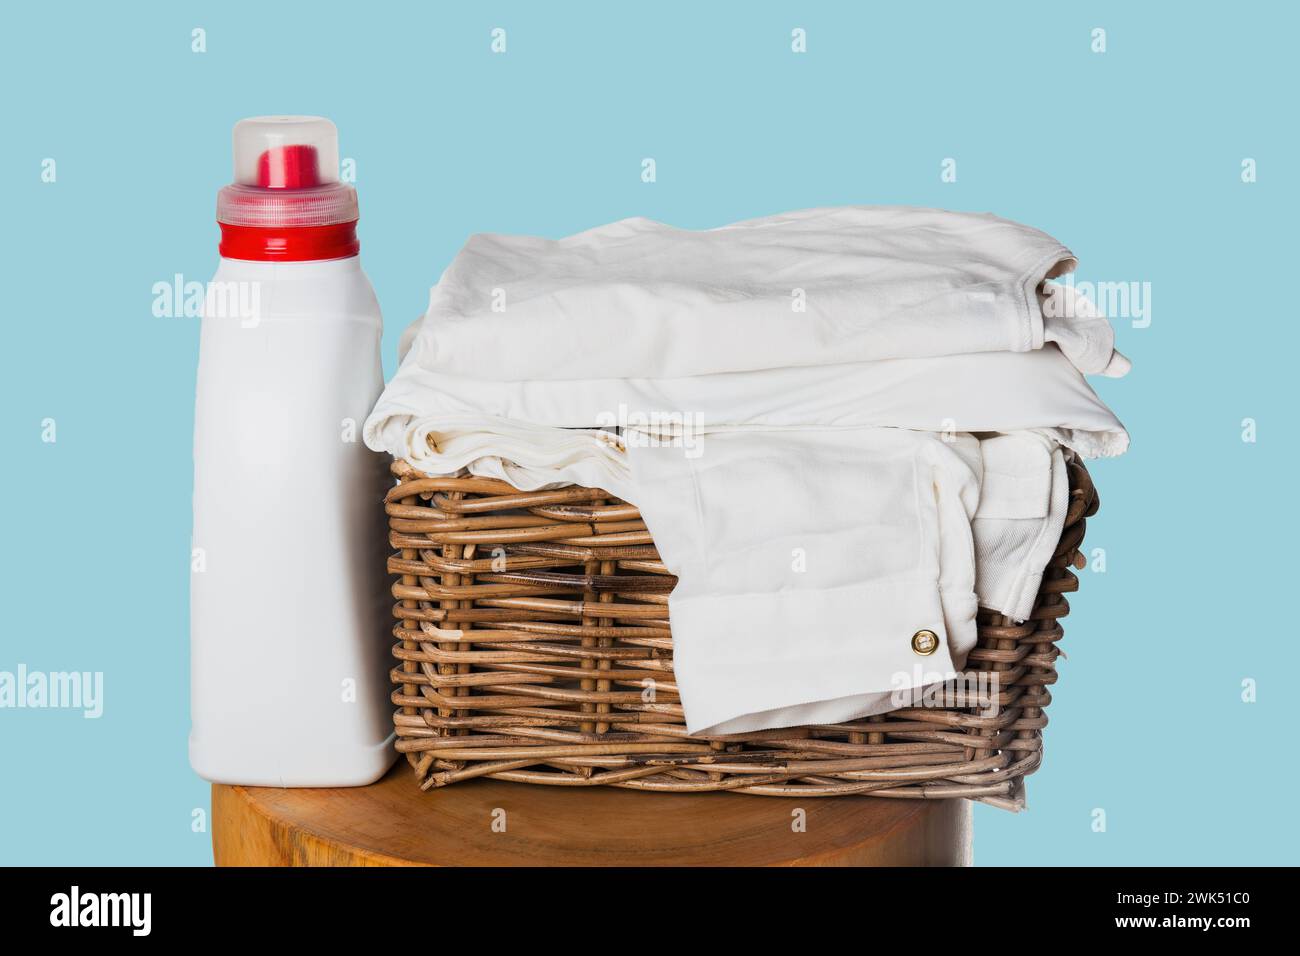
(533, 645)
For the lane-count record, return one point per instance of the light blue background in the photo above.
(1132, 158)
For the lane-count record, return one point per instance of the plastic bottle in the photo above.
(289, 615)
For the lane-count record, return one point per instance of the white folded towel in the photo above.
(841, 427)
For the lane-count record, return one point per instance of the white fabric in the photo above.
(1024, 494)
(825, 482)
(1071, 320)
(984, 391)
(807, 560)
(639, 299)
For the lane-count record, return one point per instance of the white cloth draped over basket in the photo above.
(842, 427)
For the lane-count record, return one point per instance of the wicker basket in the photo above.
(534, 646)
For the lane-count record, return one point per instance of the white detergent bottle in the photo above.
(289, 610)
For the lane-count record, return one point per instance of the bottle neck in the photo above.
(289, 243)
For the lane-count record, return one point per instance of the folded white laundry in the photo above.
(827, 482)
(980, 392)
(640, 299)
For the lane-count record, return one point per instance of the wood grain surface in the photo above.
(493, 823)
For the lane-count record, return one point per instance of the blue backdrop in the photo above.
(1170, 717)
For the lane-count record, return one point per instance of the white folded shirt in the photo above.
(825, 483)
(640, 299)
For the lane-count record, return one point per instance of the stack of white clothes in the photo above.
(842, 426)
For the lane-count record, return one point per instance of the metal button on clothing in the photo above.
(925, 643)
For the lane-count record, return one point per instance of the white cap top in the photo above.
(286, 152)
(286, 174)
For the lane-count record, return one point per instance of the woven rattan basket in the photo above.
(534, 645)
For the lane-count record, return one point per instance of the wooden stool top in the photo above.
(493, 823)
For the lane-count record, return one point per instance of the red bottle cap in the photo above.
(286, 203)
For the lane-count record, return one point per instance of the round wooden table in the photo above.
(494, 823)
